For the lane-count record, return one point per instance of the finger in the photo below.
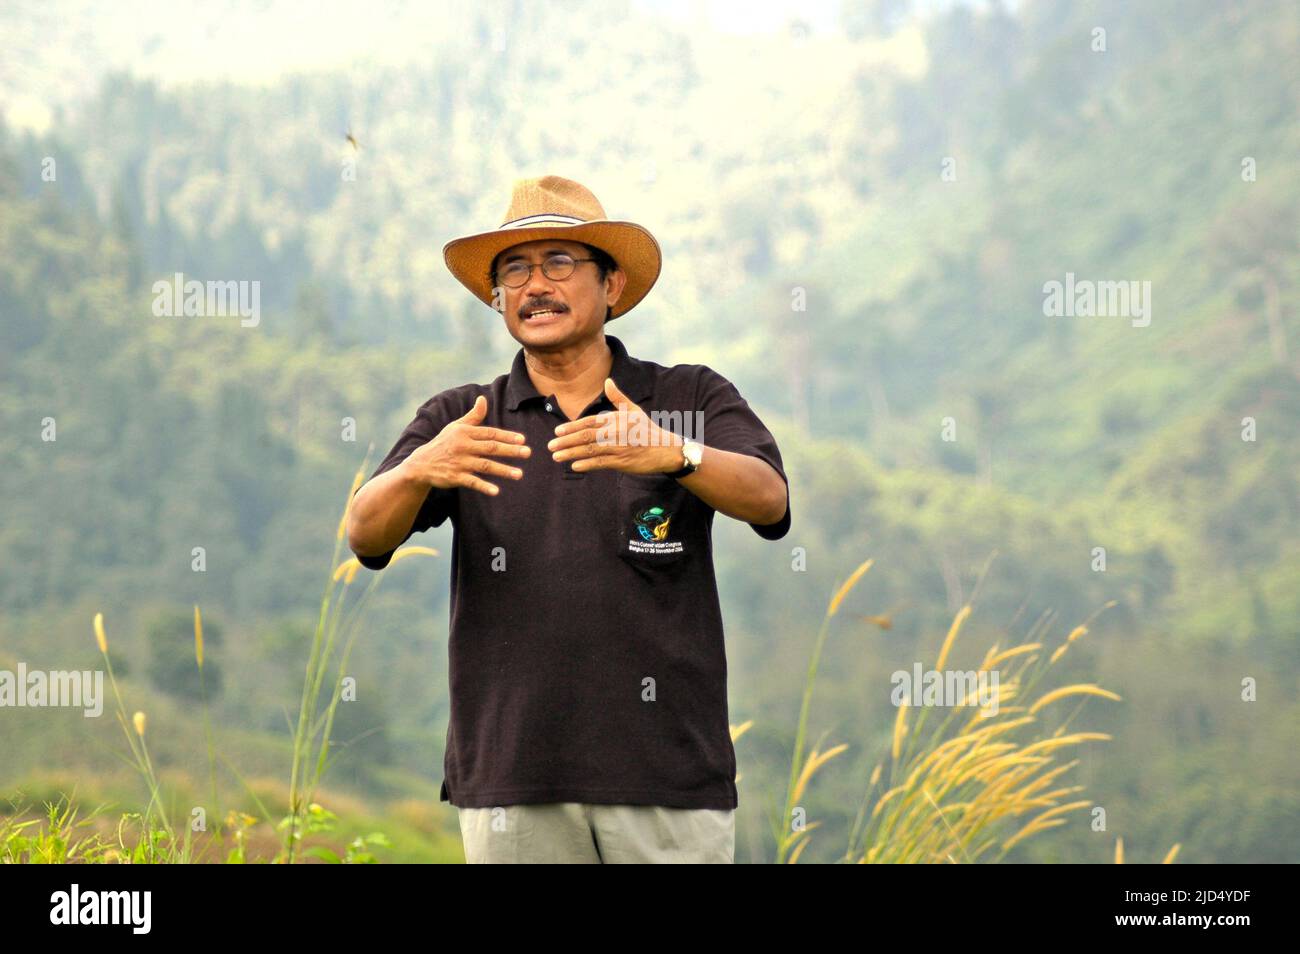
(586, 452)
(476, 413)
(588, 436)
(615, 394)
(498, 449)
(468, 479)
(484, 433)
(591, 420)
(482, 486)
(599, 460)
(482, 465)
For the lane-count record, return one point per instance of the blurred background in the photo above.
(860, 204)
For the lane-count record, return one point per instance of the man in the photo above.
(587, 669)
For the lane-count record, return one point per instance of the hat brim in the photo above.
(635, 250)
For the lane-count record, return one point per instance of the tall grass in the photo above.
(53, 839)
(311, 744)
(979, 783)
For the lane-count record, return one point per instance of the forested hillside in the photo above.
(858, 228)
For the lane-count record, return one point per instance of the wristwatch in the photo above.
(692, 453)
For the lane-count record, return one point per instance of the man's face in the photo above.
(576, 304)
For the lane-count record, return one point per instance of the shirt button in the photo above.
(548, 407)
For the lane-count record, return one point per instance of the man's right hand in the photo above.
(463, 450)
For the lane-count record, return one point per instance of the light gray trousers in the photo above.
(578, 833)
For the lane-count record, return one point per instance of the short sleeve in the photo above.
(729, 423)
(430, 418)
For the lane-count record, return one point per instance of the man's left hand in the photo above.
(626, 439)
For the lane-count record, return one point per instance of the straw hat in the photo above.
(553, 207)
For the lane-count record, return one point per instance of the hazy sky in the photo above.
(738, 16)
(733, 16)
(55, 51)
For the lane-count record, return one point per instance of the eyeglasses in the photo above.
(556, 267)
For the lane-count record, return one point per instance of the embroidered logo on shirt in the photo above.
(652, 528)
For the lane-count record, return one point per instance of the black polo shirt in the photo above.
(586, 649)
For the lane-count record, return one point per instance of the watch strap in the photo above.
(685, 470)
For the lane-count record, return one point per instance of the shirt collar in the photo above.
(634, 378)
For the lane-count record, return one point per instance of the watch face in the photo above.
(692, 451)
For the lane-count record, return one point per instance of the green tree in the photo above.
(173, 667)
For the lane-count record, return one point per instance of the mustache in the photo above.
(540, 304)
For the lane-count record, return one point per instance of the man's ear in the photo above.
(614, 283)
